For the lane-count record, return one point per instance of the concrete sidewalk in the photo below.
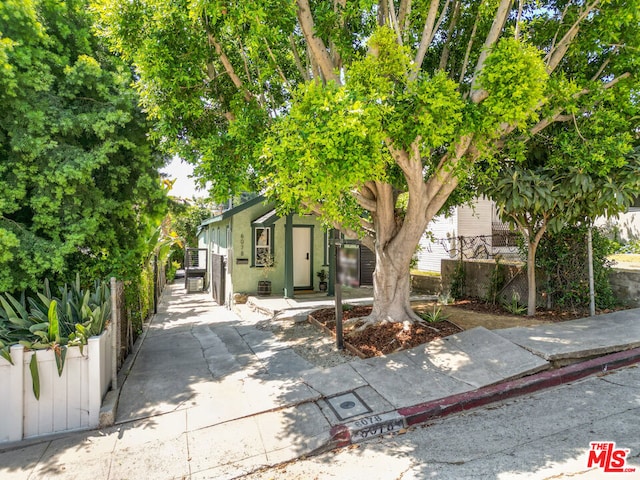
(212, 395)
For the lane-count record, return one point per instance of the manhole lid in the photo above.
(347, 405)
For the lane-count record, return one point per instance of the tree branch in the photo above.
(404, 15)
(558, 117)
(402, 159)
(245, 61)
(541, 231)
(365, 202)
(367, 240)
(518, 223)
(338, 8)
(315, 70)
(613, 82)
(446, 49)
(366, 225)
(382, 12)
(228, 67)
(425, 41)
(555, 36)
(296, 56)
(394, 21)
(316, 45)
(601, 69)
(467, 52)
(273, 59)
(557, 53)
(518, 19)
(443, 181)
(384, 217)
(478, 95)
(371, 187)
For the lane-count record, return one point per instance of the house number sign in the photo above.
(376, 425)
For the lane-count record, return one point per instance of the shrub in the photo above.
(171, 271)
(458, 281)
(434, 316)
(563, 257)
(44, 321)
(496, 282)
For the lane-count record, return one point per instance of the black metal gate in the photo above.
(217, 278)
(367, 265)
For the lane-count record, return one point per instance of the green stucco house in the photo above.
(243, 238)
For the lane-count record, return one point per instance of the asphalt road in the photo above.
(546, 435)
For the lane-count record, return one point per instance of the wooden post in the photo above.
(338, 292)
(115, 333)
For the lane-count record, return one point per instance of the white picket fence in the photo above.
(68, 402)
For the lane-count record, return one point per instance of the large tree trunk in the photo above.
(391, 286)
(395, 243)
(396, 235)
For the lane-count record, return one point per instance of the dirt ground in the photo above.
(469, 314)
(319, 347)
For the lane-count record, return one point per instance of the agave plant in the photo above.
(15, 323)
(48, 322)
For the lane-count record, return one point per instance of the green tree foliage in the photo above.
(187, 217)
(341, 107)
(78, 176)
(561, 181)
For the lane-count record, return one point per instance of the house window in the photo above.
(263, 244)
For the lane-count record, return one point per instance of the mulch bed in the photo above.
(545, 315)
(383, 339)
(388, 338)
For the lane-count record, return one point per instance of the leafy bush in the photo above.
(434, 316)
(458, 281)
(44, 321)
(496, 282)
(564, 259)
(138, 297)
(171, 271)
(514, 306)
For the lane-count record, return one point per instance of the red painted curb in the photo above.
(340, 436)
(423, 412)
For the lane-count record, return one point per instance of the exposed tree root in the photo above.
(359, 324)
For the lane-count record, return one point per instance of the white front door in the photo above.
(302, 257)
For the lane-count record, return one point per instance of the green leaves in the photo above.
(384, 71)
(78, 175)
(54, 327)
(330, 142)
(431, 109)
(35, 375)
(53, 322)
(515, 77)
(336, 138)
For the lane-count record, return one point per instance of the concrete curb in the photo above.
(353, 432)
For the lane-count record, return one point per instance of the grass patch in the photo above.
(425, 273)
